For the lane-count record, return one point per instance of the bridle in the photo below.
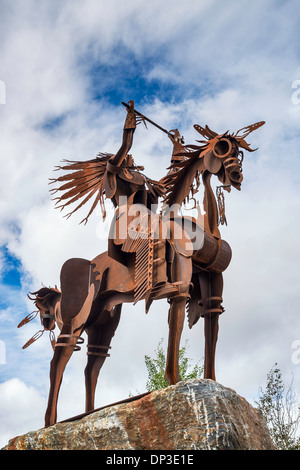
(31, 316)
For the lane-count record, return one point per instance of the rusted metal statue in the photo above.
(141, 263)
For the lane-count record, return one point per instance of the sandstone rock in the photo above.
(192, 415)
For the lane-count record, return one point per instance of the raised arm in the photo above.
(128, 131)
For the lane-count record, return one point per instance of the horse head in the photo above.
(222, 154)
(218, 154)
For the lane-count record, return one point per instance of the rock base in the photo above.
(193, 415)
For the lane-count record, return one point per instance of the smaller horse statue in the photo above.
(140, 263)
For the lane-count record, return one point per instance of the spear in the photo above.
(149, 120)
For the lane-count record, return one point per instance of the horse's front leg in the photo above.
(211, 285)
(211, 329)
(176, 321)
(181, 276)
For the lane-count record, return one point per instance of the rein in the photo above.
(39, 333)
(52, 338)
(221, 203)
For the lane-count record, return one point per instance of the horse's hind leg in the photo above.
(76, 301)
(99, 339)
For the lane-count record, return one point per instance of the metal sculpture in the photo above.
(141, 263)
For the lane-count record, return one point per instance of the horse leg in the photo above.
(211, 285)
(99, 339)
(66, 343)
(76, 301)
(181, 275)
(176, 320)
(211, 329)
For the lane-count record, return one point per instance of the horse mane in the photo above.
(183, 178)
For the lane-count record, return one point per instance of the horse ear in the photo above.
(207, 132)
(212, 163)
(240, 138)
(247, 130)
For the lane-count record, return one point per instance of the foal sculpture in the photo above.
(141, 263)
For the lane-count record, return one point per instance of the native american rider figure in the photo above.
(119, 179)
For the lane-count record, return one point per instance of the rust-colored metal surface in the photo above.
(150, 254)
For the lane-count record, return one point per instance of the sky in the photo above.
(65, 68)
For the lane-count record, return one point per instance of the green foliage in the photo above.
(279, 406)
(156, 368)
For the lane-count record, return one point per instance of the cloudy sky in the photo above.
(65, 68)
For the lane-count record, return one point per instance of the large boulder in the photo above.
(193, 415)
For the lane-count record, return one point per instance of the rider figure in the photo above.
(124, 183)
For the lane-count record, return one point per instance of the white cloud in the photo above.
(17, 402)
(232, 64)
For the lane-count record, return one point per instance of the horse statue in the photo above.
(141, 262)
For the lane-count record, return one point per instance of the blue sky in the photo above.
(66, 68)
(12, 272)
